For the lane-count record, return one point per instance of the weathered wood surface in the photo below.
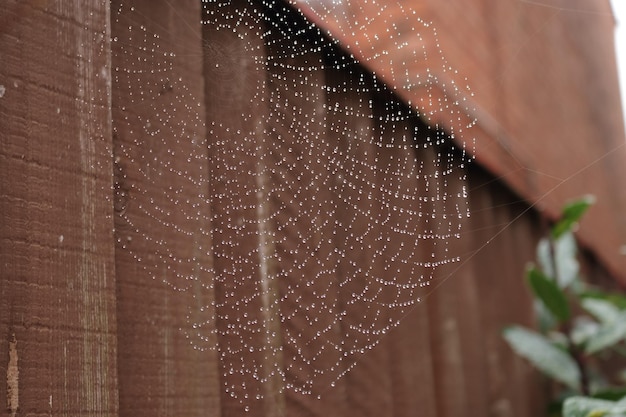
(504, 297)
(57, 272)
(163, 255)
(244, 250)
(454, 303)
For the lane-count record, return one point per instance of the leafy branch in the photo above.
(579, 325)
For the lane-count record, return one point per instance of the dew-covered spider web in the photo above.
(312, 200)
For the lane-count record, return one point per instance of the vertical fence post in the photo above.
(308, 289)
(57, 275)
(411, 355)
(167, 337)
(505, 300)
(246, 288)
(456, 328)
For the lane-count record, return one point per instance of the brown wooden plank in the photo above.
(360, 241)
(244, 235)
(512, 294)
(367, 383)
(302, 176)
(57, 283)
(456, 330)
(410, 356)
(517, 303)
(504, 298)
(411, 364)
(485, 229)
(524, 234)
(166, 343)
(505, 143)
(350, 123)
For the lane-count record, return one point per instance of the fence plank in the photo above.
(303, 199)
(244, 248)
(410, 355)
(485, 228)
(517, 243)
(57, 283)
(411, 364)
(166, 340)
(367, 385)
(520, 239)
(502, 292)
(456, 329)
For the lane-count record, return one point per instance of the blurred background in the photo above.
(619, 8)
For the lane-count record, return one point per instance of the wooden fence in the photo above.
(113, 299)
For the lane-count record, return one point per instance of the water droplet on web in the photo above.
(323, 192)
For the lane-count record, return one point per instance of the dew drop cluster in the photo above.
(312, 200)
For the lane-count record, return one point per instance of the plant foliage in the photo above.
(544, 355)
(581, 326)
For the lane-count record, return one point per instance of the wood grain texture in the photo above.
(411, 365)
(456, 330)
(350, 134)
(411, 358)
(524, 234)
(505, 247)
(244, 244)
(57, 282)
(491, 287)
(303, 176)
(167, 359)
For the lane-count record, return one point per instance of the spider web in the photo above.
(330, 205)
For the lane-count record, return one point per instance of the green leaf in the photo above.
(611, 394)
(544, 256)
(572, 212)
(545, 319)
(619, 409)
(618, 300)
(543, 355)
(586, 407)
(549, 293)
(602, 310)
(560, 253)
(608, 334)
(583, 329)
(567, 266)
